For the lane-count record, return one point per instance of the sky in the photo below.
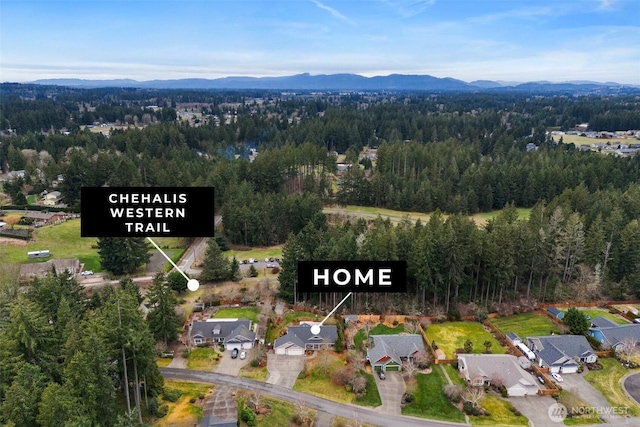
(503, 40)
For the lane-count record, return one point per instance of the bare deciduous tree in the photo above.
(627, 349)
(474, 395)
(409, 368)
(304, 412)
(359, 384)
(411, 327)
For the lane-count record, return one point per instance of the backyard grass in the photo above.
(525, 325)
(583, 140)
(430, 401)
(372, 398)
(608, 382)
(451, 336)
(202, 359)
(382, 329)
(250, 313)
(483, 217)
(319, 383)
(499, 414)
(599, 312)
(183, 412)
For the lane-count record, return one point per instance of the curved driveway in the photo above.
(343, 410)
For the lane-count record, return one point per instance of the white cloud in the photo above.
(408, 8)
(332, 11)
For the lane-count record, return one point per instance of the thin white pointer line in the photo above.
(168, 259)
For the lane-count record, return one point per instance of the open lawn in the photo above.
(256, 253)
(318, 382)
(600, 312)
(250, 313)
(525, 325)
(583, 140)
(163, 362)
(183, 412)
(397, 216)
(454, 375)
(430, 400)
(499, 414)
(202, 359)
(608, 382)
(64, 241)
(451, 336)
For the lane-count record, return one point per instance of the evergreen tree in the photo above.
(576, 321)
(162, 317)
(215, 267)
(123, 255)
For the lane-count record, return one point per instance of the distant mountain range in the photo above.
(341, 82)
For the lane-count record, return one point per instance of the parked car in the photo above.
(381, 375)
(271, 260)
(87, 273)
(243, 355)
(234, 353)
(266, 260)
(540, 379)
(557, 377)
(270, 265)
(167, 354)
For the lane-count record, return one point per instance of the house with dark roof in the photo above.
(612, 335)
(514, 338)
(300, 338)
(233, 333)
(561, 353)
(479, 370)
(387, 352)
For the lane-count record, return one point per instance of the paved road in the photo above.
(343, 410)
(632, 385)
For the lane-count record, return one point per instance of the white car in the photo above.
(87, 273)
(557, 377)
(243, 355)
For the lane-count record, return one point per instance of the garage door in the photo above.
(280, 350)
(392, 368)
(295, 352)
(570, 370)
(232, 346)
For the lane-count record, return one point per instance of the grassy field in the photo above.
(396, 216)
(430, 400)
(163, 362)
(583, 140)
(607, 382)
(202, 359)
(183, 412)
(250, 313)
(451, 336)
(500, 414)
(64, 241)
(525, 325)
(599, 312)
(256, 253)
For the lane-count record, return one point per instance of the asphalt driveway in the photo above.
(577, 384)
(391, 390)
(535, 408)
(221, 403)
(284, 369)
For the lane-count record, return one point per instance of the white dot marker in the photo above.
(193, 285)
(315, 329)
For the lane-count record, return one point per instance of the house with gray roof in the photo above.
(613, 335)
(233, 333)
(387, 352)
(561, 353)
(479, 370)
(298, 339)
